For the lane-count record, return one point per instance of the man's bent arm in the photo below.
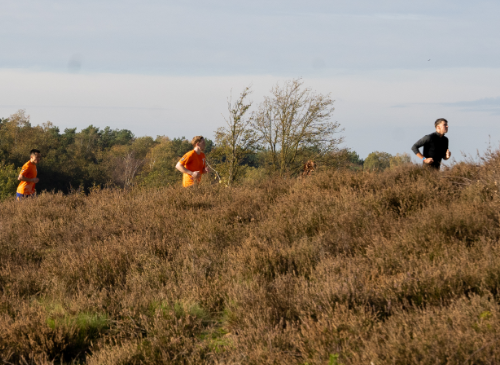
(422, 141)
(24, 178)
(182, 169)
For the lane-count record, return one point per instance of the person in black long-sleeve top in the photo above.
(435, 145)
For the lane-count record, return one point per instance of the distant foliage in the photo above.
(354, 158)
(294, 125)
(382, 160)
(69, 160)
(399, 160)
(159, 169)
(377, 161)
(237, 142)
(91, 157)
(289, 127)
(8, 181)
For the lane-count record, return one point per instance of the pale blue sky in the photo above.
(166, 68)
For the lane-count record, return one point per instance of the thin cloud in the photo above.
(484, 102)
(400, 16)
(24, 106)
(486, 105)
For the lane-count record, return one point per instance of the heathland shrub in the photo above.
(344, 267)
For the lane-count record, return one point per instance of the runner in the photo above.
(193, 164)
(435, 145)
(28, 176)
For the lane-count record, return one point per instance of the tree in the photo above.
(295, 119)
(178, 146)
(354, 158)
(124, 162)
(16, 138)
(161, 158)
(110, 137)
(400, 159)
(237, 141)
(87, 142)
(340, 158)
(377, 161)
(68, 137)
(8, 181)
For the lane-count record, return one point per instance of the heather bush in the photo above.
(400, 266)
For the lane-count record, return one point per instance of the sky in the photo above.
(168, 68)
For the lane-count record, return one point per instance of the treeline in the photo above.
(90, 157)
(112, 157)
(288, 128)
(383, 160)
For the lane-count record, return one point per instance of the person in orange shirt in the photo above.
(193, 164)
(28, 176)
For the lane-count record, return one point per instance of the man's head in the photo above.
(198, 141)
(441, 125)
(35, 156)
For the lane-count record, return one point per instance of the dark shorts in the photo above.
(22, 196)
(432, 166)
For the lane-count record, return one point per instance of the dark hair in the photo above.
(439, 121)
(33, 151)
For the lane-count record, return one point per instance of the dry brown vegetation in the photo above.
(396, 267)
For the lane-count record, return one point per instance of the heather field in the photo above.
(344, 267)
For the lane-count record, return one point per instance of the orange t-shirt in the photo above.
(29, 171)
(193, 162)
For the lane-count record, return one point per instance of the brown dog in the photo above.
(309, 168)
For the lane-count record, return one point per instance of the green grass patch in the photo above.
(88, 325)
